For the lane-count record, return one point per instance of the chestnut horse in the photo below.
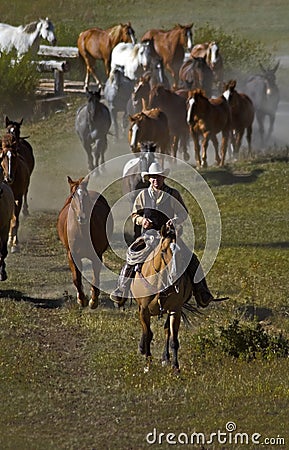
(171, 45)
(149, 125)
(243, 113)
(84, 226)
(174, 107)
(24, 149)
(162, 286)
(96, 43)
(6, 214)
(206, 118)
(211, 52)
(17, 175)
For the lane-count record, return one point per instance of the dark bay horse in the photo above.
(149, 125)
(6, 215)
(206, 118)
(24, 149)
(84, 226)
(243, 114)
(92, 124)
(97, 43)
(265, 95)
(174, 107)
(171, 45)
(117, 91)
(211, 52)
(159, 289)
(195, 73)
(16, 174)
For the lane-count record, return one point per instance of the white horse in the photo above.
(134, 58)
(26, 37)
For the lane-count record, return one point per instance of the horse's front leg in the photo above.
(195, 138)
(147, 334)
(166, 352)
(3, 255)
(205, 143)
(77, 280)
(175, 320)
(14, 225)
(94, 291)
(216, 147)
(224, 146)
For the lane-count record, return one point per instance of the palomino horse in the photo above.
(96, 43)
(264, 93)
(162, 287)
(135, 58)
(6, 214)
(92, 124)
(117, 91)
(195, 73)
(16, 174)
(243, 113)
(84, 226)
(210, 51)
(174, 107)
(26, 37)
(149, 125)
(24, 149)
(206, 118)
(170, 45)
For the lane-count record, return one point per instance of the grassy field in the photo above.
(72, 378)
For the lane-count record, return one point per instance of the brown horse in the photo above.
(24, 149)
(210, 51)
(158, 289)
(195, 73)
(16, 174)
(170, 45)
(84, 225)
(96, 43)
(243, 113)
(174, 107)
(149, 125)
(206, 118)
(6, 214)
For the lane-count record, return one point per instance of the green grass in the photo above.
(72, 378)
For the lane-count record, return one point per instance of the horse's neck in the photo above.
(24, 41)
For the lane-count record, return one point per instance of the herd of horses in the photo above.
(169, 90)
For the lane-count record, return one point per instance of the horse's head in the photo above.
(147, 53)
(270, 77)
(46, 30)
(9, 157)
(229, 90)
(195, 98)
(93, 99)
(80, 202)
(134, 131)
(213, 54)
(13, 127)
(128, 33)
(186, 35)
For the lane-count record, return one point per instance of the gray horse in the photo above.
(92, 124)
(117, 91)
(264, 93)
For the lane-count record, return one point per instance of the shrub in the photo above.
(19, 80)
(244, 341)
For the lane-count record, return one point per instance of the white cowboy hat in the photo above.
(155, 169)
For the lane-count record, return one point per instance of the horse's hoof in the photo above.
(93, 304)
(15, 249)
(82, 302)
(165, 363)
(3, 275)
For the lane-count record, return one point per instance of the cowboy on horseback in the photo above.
(155, 206)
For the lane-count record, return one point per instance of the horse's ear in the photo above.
(262, 68)
(276, 66)
(70, 181)
(7, 121)
(21, 121)
(163, 231)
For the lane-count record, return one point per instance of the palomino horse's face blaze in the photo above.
(47, 31)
